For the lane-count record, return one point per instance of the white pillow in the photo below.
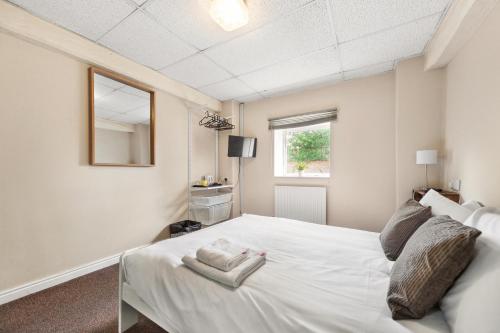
(472, 205)
(444, 206)
(473, 303)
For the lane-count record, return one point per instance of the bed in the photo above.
(317, 278)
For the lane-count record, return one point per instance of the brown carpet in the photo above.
(88, 304)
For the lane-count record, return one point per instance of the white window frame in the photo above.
(280, 157)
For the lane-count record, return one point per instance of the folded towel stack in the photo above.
(225, 262)
(222, 254)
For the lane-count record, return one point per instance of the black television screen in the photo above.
(240, 146)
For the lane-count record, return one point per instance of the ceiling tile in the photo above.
(300, 69)
(143, 111)
(139, 2)
(90, 18)
(120, 102)
(226, 90)
(104, 114)
(287, 45)
(304, 85)
(356, 18)
(126, 118)
(101, 90)
(136, 92)
(369, 70)
(190, 19)
(306, 30)
(143, 40)
(249, 98)
(196, 71)
(105, 81)
(403, 41)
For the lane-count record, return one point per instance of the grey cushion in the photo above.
(401, 226)
(431, 261)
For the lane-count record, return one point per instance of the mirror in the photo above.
(121, 120)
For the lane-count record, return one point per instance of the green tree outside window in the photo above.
(305, 147)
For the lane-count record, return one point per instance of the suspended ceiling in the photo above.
(288, 45)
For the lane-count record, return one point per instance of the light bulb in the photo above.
(229, 14)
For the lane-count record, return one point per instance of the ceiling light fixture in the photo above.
(229, 14)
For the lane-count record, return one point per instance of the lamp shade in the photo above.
(427, 156)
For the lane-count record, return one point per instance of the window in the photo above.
(302, 151)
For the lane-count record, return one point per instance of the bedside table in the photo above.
(453, 196)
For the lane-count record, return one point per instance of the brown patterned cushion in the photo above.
(401, 226)
(432, 259)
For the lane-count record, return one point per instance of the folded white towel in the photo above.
(222, 254)
(233, 278)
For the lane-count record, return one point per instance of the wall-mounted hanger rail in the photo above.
(213, 120)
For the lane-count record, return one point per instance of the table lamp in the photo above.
(427, 157)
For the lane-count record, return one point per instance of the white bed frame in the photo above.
(130, 305)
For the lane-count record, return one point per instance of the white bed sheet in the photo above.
(316, 279)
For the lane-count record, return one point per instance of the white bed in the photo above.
(316, 279)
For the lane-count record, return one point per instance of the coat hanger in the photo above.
(214, 121)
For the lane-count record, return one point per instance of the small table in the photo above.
(453, 196)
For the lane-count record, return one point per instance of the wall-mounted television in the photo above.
(240, 146)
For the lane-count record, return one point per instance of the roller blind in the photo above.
(305, 119)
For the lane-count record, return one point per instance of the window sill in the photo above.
(304, 177)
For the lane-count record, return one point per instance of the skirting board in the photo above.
(10, 295)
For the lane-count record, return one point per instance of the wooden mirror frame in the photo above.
(132, 83)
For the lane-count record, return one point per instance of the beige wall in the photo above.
(139, 144)
(228, 166)
(56, 211)
(361, 189)
(112, 146)
(203, 152)
(123, 147)
(383, 121)
(472, 115)
(419, 105)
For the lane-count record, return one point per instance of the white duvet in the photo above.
(316, 279)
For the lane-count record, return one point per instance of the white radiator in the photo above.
(301, 203)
